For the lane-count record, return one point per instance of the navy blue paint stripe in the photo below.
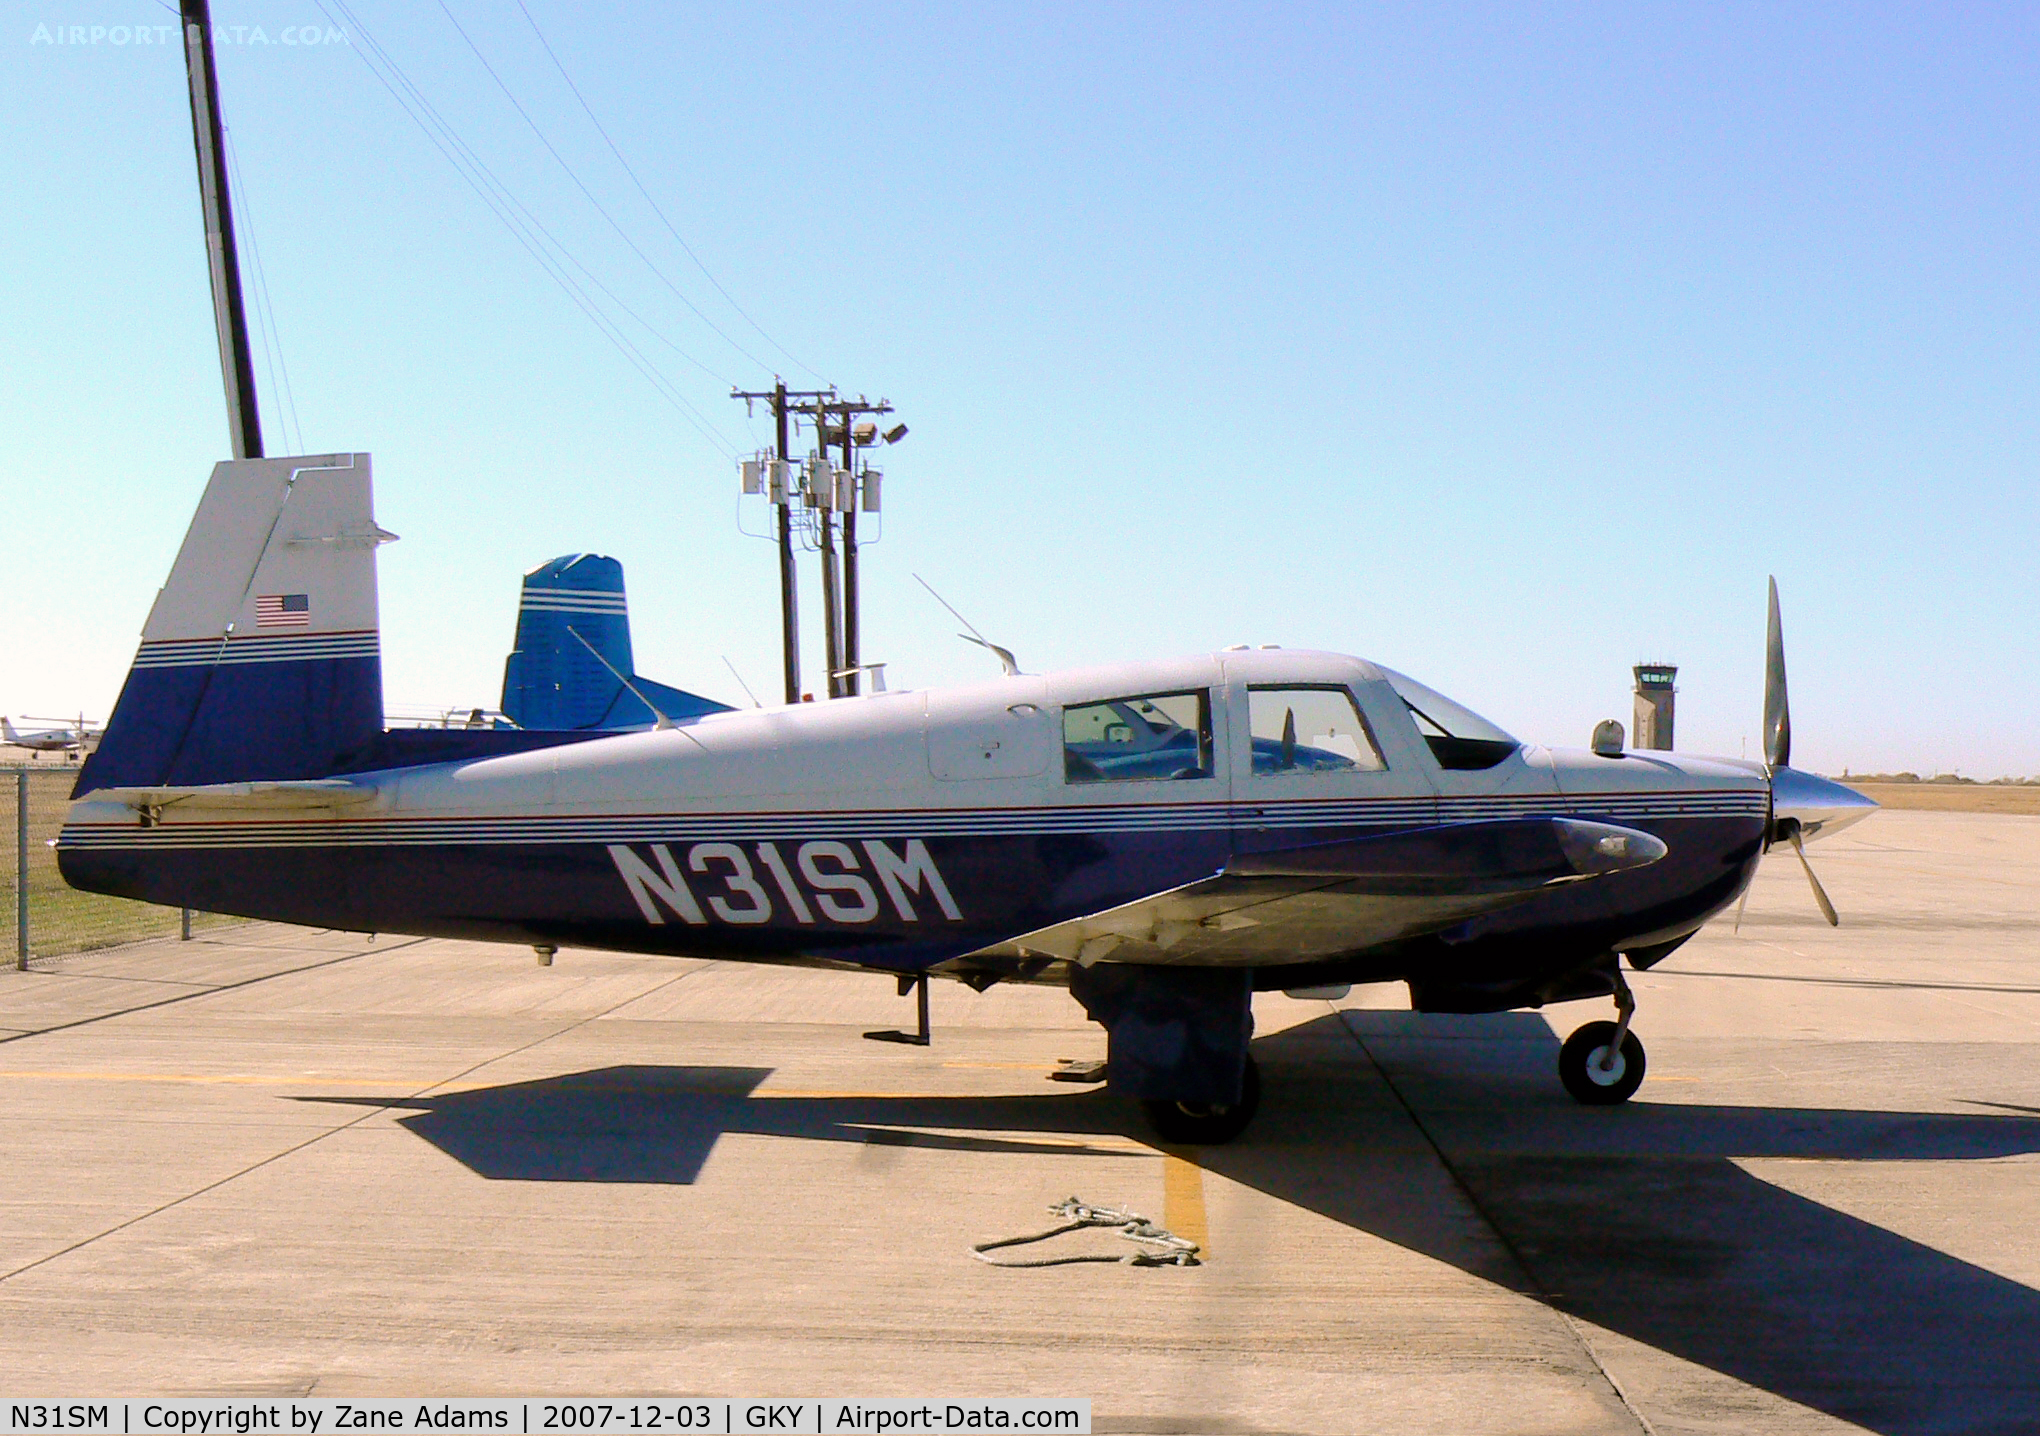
(257, 648)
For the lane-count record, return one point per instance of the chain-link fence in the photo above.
(48, 916)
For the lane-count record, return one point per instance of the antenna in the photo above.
(1005, 655)
(664, 721)
(740, 682)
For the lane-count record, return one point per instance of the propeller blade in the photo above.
(1819, 893)
(1777, 710)
(1736, 931)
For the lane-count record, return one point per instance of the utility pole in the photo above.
(832, 598)
(853, 678)
(780, 486)
(849, 658)
(840, 615)
(229, 319)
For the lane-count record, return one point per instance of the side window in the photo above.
(1153, 736)
(1309, 730)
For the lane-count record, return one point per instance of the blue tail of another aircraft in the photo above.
(573, 610)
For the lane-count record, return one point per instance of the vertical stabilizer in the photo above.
(573, 609)
(261, 657)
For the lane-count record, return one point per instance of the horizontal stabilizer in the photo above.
(291, 796)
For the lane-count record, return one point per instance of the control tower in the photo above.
(1654, 693)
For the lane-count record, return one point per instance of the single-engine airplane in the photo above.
(1166, 838)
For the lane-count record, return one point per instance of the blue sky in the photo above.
(1507, 345)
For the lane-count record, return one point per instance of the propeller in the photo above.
(1777, 708)
(1819, 893)
(1778, 762)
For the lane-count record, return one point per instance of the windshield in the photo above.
(1439, 716)
(1457, 736)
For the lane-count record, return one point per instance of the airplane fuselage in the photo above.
(917, 830)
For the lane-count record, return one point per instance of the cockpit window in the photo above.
(1315, 729)
(1458, 737)
(1152, 736)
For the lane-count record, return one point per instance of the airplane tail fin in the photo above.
(261, 659)
(573, 640)
(7, 730)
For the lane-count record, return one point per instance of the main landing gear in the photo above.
(1602, 1063)
(1194, 1124)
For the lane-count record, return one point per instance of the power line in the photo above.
(589, 194)
(506, 207)
(685, 247)
(265, 307)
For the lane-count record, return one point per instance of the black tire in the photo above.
(1189, 1125)
(1589, 1082)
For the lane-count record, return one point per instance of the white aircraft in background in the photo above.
(79, 737)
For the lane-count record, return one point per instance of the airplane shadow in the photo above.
(1635, 1219)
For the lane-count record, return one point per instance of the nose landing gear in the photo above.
(1602, 1063)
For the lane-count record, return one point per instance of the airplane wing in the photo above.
(1322, 900)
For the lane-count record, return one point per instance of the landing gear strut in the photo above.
(1194, 1124)
(1602, 1063)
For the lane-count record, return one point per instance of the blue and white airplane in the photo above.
(1165, 838)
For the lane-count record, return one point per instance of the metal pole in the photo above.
(236, 368)
(184, 924)
(832, 640)
(789, 612)
(21, 869)
(853, 681)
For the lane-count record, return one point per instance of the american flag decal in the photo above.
(283, 610)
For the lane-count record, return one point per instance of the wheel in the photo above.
(1192, 1125)
(1584, 1066)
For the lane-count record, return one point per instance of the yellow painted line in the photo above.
(1183, 1202)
